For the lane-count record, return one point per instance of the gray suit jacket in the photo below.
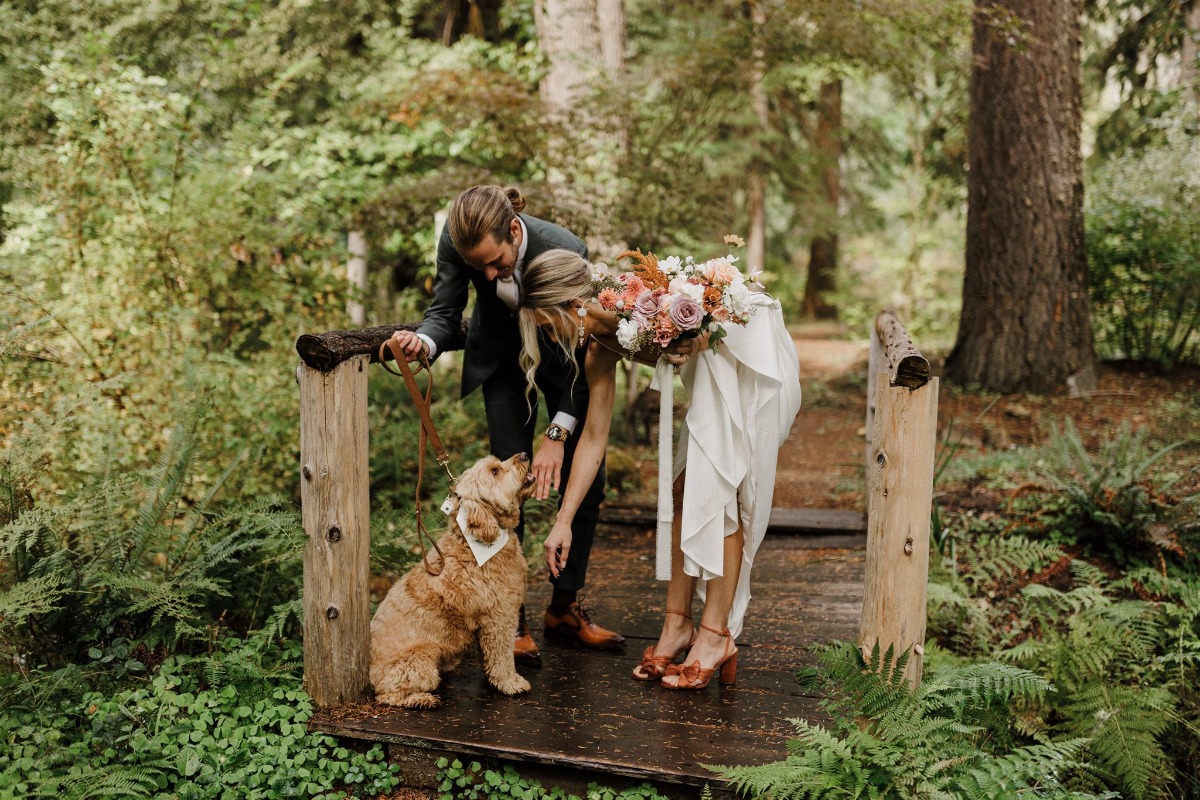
(492, 337)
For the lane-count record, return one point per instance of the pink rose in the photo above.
(686, 313)
(646, 303)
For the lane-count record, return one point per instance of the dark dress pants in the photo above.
(511, 424)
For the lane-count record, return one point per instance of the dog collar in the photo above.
(482, 551)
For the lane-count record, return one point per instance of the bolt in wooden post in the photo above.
(901, 449)
(336, 512)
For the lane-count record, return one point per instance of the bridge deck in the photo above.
(586, 720)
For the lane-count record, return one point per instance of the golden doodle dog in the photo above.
(426, 623)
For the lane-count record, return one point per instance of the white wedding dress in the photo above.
(743, 398)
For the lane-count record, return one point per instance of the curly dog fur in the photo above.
(426, 623)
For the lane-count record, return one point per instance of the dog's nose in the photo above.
(521, 457)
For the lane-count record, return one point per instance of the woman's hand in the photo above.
(558, 547)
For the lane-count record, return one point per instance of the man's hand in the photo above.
(682, 349)
(558, 547)
(547, 467)
(413, 346)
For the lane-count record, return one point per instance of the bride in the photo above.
(744, 396)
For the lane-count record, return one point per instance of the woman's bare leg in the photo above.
(710, 647)
(677, 631)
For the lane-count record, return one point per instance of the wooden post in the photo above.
(902, 440)
(336, 512)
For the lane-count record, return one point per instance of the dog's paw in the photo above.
(409, 699)
(515, 685)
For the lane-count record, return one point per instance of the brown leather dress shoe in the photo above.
(525, 650)
(575, 626)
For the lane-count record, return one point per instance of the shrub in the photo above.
(1143, 241)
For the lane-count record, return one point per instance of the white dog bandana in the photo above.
(482, 550)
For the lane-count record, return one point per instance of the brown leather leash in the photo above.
(428, 434)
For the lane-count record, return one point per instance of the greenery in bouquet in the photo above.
(660, 300)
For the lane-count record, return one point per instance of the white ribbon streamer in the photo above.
(664, 381)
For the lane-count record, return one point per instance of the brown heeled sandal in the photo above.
(654, 667)
(693, 676)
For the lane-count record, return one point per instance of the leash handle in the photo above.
(428, 433)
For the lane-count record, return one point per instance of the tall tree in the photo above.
(1025, 321)
(823, 252)
(584, 45)
(568, 34)
(756, 182)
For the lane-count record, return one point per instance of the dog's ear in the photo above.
(481, 522)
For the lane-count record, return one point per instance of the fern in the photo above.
(1001, 557)
(1114, 499)
(160, 569)
(937, 742)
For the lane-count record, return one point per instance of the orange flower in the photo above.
(646, 267)
(712, 299)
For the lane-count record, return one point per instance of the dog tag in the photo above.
(448, 505)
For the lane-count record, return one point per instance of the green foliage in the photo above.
(1115, 500)
(1123, 653)
(459, 781)
(231, 724)
(1115, 662)
(1143, 240)
(948, 739)
(149, 558)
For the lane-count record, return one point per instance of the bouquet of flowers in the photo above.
(661, 300)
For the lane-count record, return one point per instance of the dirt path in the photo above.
(820, 466)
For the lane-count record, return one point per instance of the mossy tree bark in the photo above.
(1025, 323)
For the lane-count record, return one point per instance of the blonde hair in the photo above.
(549, 284)
(483, 211)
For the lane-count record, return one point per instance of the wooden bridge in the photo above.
(820, 575)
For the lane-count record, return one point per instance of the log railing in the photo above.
(901, 442)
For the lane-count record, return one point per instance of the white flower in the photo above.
(683, 286)
(627, 332)
(599, 271)
(736, 296)
(671, 265)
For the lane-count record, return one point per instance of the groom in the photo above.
(486, 242)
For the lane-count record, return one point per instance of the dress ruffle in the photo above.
(743, 399)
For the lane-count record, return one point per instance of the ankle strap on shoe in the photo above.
(714, 630)
(686, 616)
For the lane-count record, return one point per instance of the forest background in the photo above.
(187, 187)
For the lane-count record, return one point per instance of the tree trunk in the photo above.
(1025, 323)
(1189, 75)
(756, 184)
(823, 253)
(356, 277)
(610, 18)
(567, 32)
